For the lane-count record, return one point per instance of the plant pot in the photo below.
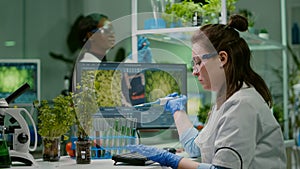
(264, 35)
(51, 148)
(83, 152)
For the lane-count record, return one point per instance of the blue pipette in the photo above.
(160, 101)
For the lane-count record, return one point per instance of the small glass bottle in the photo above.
(197, 19)
(5, 160)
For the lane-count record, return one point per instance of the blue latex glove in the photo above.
(144, 51)
(176, 104)
(172, 94)
(163, 157)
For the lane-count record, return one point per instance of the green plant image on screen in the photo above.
(13, 77)
(160, 83)
(108, 88)
(108, 85)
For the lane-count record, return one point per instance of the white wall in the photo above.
(41, 26)
(267, 14)
(114, 9)
(264, 62)
(46, 27)
(11, 28)
(37, 27)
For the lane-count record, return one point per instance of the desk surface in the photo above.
(161, 140)
(69, 163)
(66, 162)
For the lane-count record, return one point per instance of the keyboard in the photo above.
(132, 158)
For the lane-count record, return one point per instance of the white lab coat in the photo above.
(245, 124)
(87, 57)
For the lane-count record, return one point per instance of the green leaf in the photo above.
(55, 120)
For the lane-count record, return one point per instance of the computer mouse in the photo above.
(171, 150)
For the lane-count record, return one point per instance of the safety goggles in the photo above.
(105, 30)
(196, 62)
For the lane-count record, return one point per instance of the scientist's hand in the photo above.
(175, 94)
(176, 104)
(163, 157)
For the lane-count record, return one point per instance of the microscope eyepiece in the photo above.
(17, 93)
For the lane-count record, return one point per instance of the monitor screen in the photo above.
(16, 72)
(120, 86)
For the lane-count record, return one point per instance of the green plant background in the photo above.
(56, 119)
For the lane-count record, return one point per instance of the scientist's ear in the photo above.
(223, 57)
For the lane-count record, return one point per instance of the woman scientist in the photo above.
(241, 131)
(96, 35)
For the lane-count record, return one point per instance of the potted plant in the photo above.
(85, 106)
(208, 11)
(54, 120)
(212, 9)
(263, 33)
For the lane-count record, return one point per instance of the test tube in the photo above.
(123, 135)
(128, 130)
(98, 137)
(104, 131)
(111, 122)
(116, 135)
(94, 137)
(133, 130)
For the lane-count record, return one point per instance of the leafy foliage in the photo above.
(294, 78)
(55, 120)
(214, 6)
(249, 15)
(184, 10)
(278, 114)
(263, 30)
(293, 98)
(85, 104)
(203, 112)
(210, 10)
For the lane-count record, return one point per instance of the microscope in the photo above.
(19, 152)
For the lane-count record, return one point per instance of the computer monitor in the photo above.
(120, 86)
(16, 72)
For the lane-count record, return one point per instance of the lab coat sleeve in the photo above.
(204, 166)
(187, 140)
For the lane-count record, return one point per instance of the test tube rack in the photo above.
(110, 136)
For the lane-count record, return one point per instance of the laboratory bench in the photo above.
(67, 162)
(159, 139)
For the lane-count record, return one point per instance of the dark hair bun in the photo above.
(238, 22)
